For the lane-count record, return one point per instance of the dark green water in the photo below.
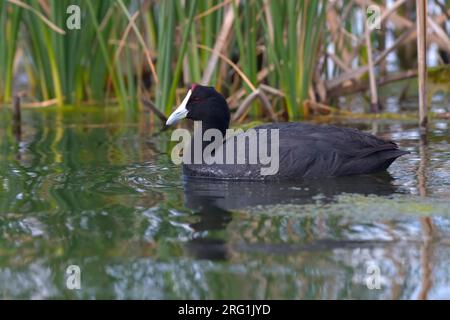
(94, 190)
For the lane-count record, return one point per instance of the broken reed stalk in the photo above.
(151, 106)
(421, 7)
(17, 118)
(359, 86)
(244, 108)
(267, 106)
(356, 73)
(218, 46)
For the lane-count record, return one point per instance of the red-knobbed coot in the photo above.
(304, 150)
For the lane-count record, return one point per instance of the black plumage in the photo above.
(305, 150)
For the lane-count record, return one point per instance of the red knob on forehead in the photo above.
(194, 85)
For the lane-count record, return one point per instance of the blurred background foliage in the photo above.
(299, 56)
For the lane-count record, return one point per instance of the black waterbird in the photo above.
(305, 150)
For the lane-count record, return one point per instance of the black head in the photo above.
(203, 104)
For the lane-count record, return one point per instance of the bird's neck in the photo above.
(201, 128)
(217, 126)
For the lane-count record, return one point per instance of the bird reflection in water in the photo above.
(214, 200)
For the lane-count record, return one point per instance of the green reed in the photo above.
(172, 38)
(9, 25)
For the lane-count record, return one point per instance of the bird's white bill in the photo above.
(180, 112)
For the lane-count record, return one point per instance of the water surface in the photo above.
(98, 190)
